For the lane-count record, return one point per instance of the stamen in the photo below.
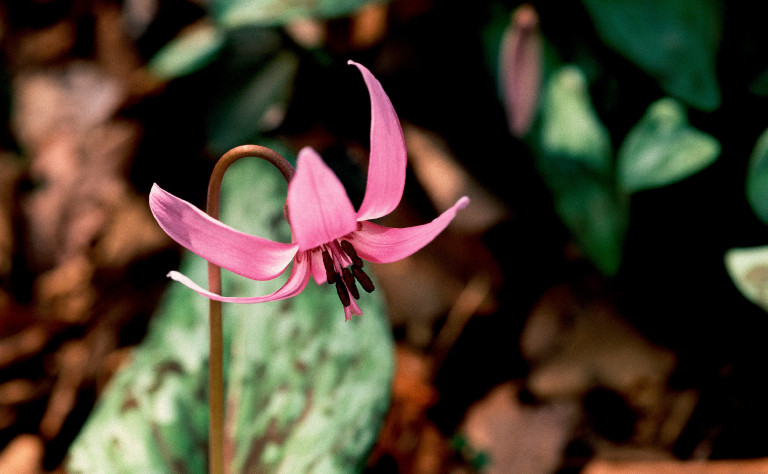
(341, 290)
(349, 280)
(330, 273)
(364, 279)
(350, 250)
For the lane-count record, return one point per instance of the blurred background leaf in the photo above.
(237, 13)
(748, 268)
(254, 102)
(575, 161)
(674, 42)
(570, 128)
(194, 48)
(663, 148)
(757, 178)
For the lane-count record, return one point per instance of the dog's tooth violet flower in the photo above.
(330, 238)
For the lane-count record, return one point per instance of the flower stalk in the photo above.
(216, 364)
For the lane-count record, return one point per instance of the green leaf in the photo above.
(674, 42)
(306, 391)
(237, 13)
(570, 128)
(253, 107)
(595, 215)
(663, 148)
(748, 268)
(757, 178)
(759, 85)
(190, 51)
(575, 162)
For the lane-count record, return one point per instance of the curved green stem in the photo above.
(216, 365)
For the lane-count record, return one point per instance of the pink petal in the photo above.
(318, 207)
(317, 267)
(381, 244)
(247, 255)
(292, 287)
(388, 157)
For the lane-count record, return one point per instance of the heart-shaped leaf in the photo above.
(663, 148)
(570, 128)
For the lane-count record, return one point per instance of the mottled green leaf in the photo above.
(757, 178)
(193, 49)
(237, 13)
(306, 391)
(663, 148)
(570, 128)
(748, 268)
(675, 42)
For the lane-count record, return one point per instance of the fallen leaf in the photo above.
(517, 437)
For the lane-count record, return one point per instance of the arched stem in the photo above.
(216, 364)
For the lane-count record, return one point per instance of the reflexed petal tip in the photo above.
(295, 284)
(381, 244)
(388, 155)
(247, 255)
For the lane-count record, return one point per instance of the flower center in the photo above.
(335, 259)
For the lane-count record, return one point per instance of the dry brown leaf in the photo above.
(445, 181)
(65, 293)
(412, 385)
(745, 466)
(407, 435)
(517, 437)
(72, 361)
(43, 46)
(18, 391)
(24, 344)
(9, 175)
(369, 25)
(117, 248)
(114, 50)
(23, 455)
(74, 98)
(576, 346)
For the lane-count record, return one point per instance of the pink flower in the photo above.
(330, 238)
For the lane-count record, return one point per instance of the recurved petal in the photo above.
(292, 287)
(247, 255)
(319, 209)
(381, 244)
(388, 155)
